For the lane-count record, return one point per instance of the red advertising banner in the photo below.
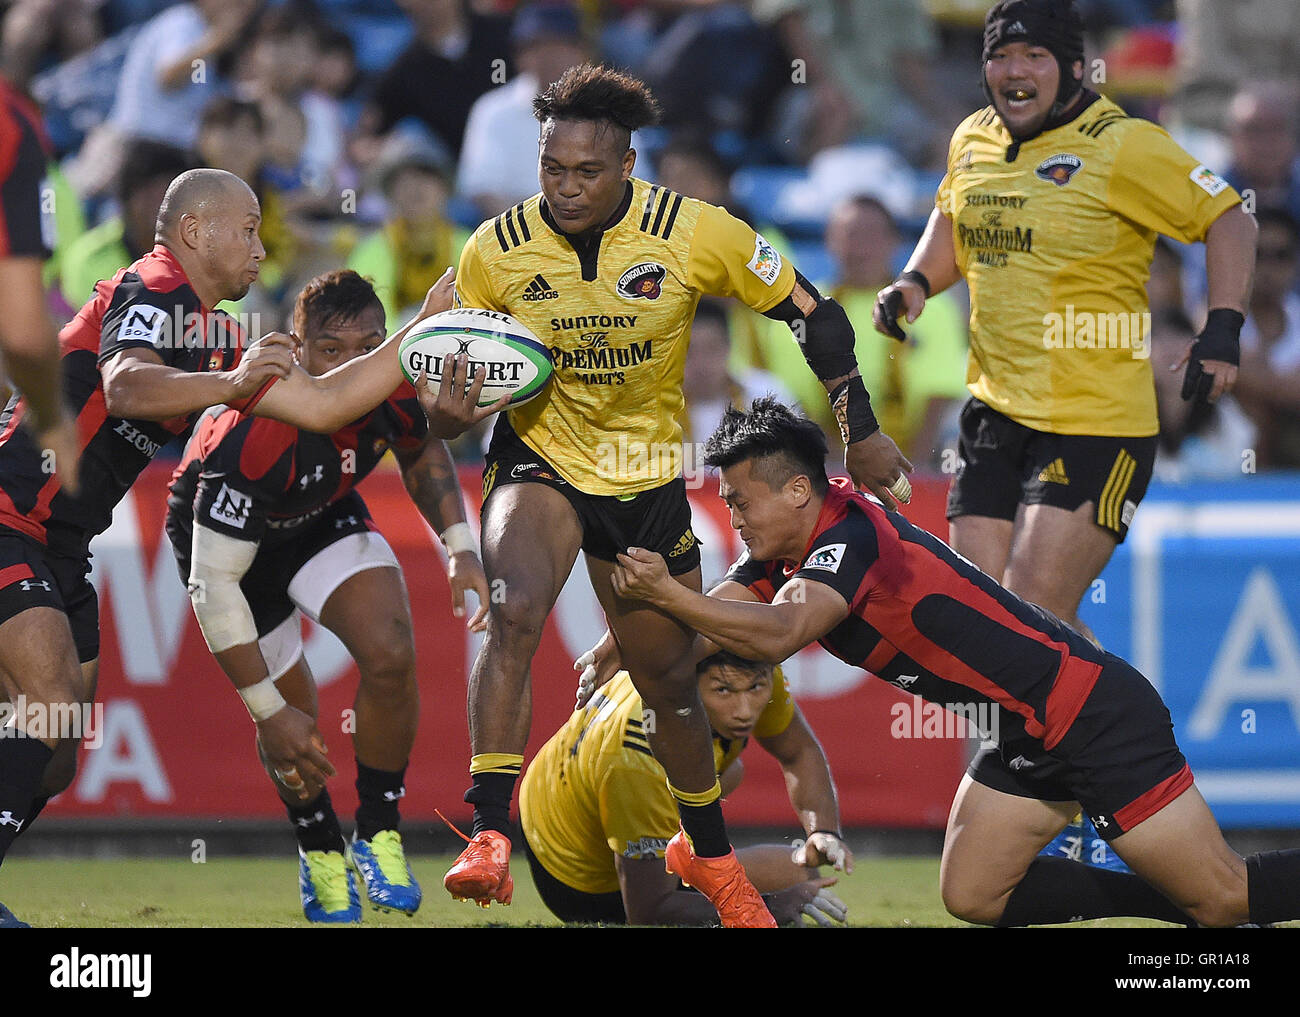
(175, 740)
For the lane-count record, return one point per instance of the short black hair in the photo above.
(341, 295)
(145, 162)
(602, 95)
(725, 658)
(787, 444)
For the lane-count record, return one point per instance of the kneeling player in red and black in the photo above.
(266, 523)
(1076, 726)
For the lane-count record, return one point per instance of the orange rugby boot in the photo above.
(482, 872)
(723, 881)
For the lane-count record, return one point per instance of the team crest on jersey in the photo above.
(1059, 169)
(214, 361)
(766, 263)
(645, 280)
(828, 558)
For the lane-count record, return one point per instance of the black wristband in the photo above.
(1221, 337)
(853, 412)
(912, 275)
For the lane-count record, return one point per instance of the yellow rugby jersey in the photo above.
(617, 323)
(1056, 247)
(595, 790)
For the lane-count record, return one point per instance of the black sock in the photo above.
(1273, 886)
(22, 765)
(315, 824)
(378, 792)
(490, 796)
(706, 828)
(1057, 890)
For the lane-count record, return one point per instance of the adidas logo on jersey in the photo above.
(1054, 473)
(540, 289)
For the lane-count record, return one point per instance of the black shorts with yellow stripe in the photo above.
(1005, 464)
(658, 519)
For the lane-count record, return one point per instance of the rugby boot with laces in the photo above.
(482, 872)
(723, 882)
(381, 864)
(329, 893)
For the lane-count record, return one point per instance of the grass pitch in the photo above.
(242, 892)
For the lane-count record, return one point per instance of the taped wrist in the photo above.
(1219, 340)
(853, 412)
(914, 276)
(217, 564)
(1221, 337)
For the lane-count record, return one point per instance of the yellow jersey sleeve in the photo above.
(728, 259)
(473, 283)
(779, 711)
(636, 809)
(1156, 184)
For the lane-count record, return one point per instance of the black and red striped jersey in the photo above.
(257, 479)
(925, 619)
(150, 305)
(24, 151)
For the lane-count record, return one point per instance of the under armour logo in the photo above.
(345, 521)
(307, 821)
(392, 796)
(1100, 822)
(7, 819)
(311, 478)
(31, 584)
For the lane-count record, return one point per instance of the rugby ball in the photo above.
(515, 361)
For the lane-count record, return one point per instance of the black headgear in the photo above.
(1053, 24)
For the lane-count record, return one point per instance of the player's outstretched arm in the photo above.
(333, 400)
(802, 613)
(289, 737)
(430, 478)
(826, 338)
(931, 269)
(139, 386)
(811, 788)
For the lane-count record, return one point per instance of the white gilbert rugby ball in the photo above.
(514, 359)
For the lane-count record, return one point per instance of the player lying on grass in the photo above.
(597, 815)
(1078, 727)
(266, 525)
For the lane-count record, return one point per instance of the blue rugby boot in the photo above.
(381, 864)
(329, 893)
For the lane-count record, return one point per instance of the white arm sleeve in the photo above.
(217, 564)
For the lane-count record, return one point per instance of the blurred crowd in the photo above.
(378, 133)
